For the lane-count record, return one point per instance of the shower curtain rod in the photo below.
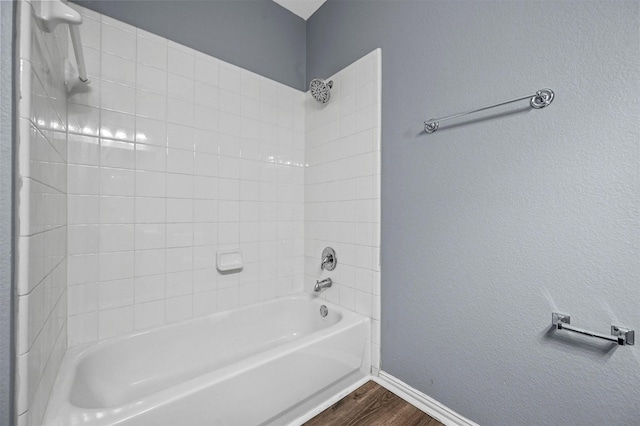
(54, 12)
(540, 99)
(77, 50)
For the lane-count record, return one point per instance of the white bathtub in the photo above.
(263, 364)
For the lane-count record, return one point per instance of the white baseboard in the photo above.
(329, 402)
(423, 402)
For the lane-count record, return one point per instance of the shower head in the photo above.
(320, 90)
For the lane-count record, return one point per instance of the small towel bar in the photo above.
(621, 336)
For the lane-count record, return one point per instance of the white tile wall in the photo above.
(170, 156)
(342, 190)
(174, 155)
(42, 209)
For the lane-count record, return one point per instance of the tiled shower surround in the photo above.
(167, 157)
(342, 190)
(174, 155)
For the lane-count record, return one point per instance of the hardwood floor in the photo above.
(372, 405)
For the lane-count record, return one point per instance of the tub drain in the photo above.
(324, 310)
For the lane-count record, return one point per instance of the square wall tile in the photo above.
(116, 41)
(181, 60)
(116, 209)
(115, 322)
(117, 69)
(151, 79)
(117, 265)
(83, 328)
(206, 69)
(178, 308)
(116, 238)
(115, 294)
(151, 51)
(150, 314)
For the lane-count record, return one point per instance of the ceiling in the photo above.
(302, 8)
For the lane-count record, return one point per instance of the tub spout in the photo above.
(321, 285)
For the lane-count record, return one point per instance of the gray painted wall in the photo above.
(6, 170)
(490, 225)
(257, 35)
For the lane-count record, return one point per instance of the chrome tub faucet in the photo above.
(321, 285)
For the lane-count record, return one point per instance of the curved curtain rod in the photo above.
(54, 12)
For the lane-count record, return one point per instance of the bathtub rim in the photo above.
(85, 349)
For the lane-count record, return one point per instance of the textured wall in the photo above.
(490, 225)
(6, 170)
(257, 35)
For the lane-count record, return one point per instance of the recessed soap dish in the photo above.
(229, 260)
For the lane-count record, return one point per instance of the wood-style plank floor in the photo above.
(372, 405)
